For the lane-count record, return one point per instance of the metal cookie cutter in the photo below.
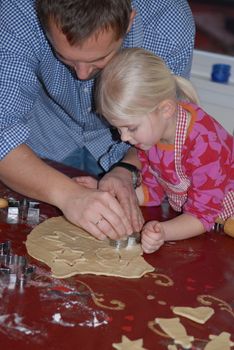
(23, 210)
(118, 244)
(13, 211)
(33, 212)
(5, 248)
(131, 241)
(14, 269)
(134, 239)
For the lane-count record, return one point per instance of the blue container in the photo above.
(221, 73)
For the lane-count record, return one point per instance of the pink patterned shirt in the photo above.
(206, 159)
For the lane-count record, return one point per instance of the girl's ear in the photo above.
(167, 108)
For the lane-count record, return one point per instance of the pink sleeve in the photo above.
(153, 192)
(208, 166)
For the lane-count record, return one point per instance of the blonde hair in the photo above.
(135, 82)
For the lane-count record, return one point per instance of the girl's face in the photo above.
(143, 132)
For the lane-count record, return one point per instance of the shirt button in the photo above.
(86, 90)
(89, 109)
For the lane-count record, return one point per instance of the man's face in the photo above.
(89, 58)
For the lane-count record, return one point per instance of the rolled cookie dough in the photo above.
(69, 250)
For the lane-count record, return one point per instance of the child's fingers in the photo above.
(149, 248)
(157, 227)
(151, 235)
(150, 244)
(149, 239)
(152, 226)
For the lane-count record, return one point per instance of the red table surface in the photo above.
(93, 312)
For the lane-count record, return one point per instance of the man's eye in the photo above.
(100, 60)
(61, 59)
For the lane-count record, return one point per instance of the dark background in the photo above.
(215, 25)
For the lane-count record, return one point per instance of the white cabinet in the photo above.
(216, 99)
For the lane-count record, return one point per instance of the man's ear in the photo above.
(132, 16)
(167, 108)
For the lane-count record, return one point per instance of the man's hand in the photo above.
(86, 181)
(96, 211)
(119, 183)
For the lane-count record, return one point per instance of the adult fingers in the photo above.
(120, 185)
(106, 217)
(87, 181)
(128, 200)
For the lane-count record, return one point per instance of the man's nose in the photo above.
(83, 70)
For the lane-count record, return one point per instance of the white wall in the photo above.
(216, 98)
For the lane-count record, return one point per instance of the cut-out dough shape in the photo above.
(70, 254)
(69, 250)
(172, 347)
(199, 314)
(219, 342)
(175, 330)
(128, 344)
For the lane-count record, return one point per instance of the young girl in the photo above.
(185, 154)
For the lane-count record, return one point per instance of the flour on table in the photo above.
(69, 250)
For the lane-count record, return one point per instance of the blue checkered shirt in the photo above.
(45, 106)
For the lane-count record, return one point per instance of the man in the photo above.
(48, 66)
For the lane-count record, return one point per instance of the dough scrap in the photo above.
(176, 331)
(69, 250)
(128, 344)
(221, 341)
(199, 314)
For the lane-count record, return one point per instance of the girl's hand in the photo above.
(152, 236)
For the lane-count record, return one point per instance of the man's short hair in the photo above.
(79, 19)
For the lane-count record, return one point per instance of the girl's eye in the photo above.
(132, 129)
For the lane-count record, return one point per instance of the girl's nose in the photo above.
(124, 135)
